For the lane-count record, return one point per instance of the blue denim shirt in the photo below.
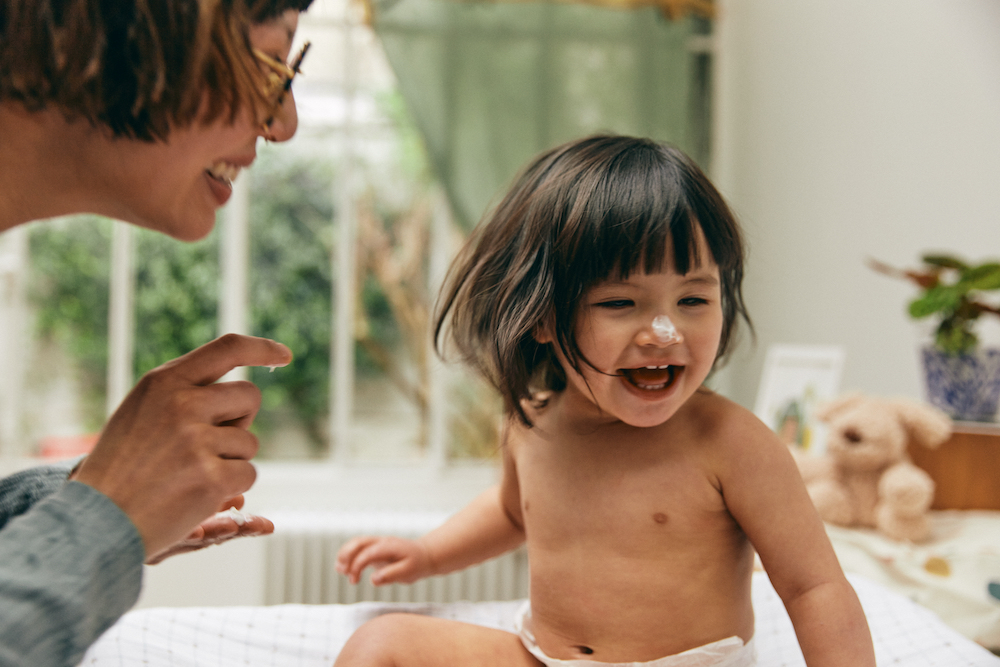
(70, 566)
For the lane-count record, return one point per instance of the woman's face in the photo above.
(176, 186)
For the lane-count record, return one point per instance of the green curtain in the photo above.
(492, 84)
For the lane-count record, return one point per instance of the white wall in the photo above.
(854, 129)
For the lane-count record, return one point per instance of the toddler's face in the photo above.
(652, 338)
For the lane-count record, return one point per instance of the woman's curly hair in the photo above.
(137, 67)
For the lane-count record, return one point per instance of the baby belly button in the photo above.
(660, 517)
(585, 650)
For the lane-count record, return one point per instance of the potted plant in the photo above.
(962, 377)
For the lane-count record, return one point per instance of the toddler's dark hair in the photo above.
(578, 214)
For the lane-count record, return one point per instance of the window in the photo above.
(333, 243)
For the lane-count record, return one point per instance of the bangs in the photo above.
(638, 216)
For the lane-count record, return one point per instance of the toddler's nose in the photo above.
(661, 332)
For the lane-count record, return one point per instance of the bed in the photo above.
(295, 635)
(956, 573)
(932, 604)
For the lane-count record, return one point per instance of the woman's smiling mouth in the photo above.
(220, 177)
(224, 171)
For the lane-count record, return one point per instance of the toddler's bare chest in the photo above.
(632, 505)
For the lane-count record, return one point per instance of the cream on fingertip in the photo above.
(238, 517)
(271, 367)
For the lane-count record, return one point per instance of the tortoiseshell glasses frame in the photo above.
(279, 79)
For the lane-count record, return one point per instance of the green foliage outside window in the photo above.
(176, 292)
(68, 285)
(293, 231)
(176, 296)
(290, 285)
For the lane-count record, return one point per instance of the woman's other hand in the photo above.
(216, 529)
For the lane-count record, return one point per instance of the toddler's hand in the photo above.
(395, 559)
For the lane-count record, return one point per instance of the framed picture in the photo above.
(795, 380)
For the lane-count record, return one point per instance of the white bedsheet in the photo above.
(956, 573)
(311, 635)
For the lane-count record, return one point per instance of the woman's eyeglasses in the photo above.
(279, 79)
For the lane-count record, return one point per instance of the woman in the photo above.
(144, 111)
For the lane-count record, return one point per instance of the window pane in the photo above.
(176, 296)
(65, 379)
(290, 245)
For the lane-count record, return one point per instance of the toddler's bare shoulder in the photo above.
(728, 424)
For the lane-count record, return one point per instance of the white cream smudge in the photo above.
(237, 516)
(664, 329)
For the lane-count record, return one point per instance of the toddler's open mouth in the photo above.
(652, 378)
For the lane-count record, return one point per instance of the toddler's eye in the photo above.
(615, 304)
(693, 301)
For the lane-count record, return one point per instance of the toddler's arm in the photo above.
(765, 494)
(478, 532)
(831, 626)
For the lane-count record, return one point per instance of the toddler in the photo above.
(597, 298)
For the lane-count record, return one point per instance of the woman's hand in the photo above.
(395, 559)
(178, 446)
(217, 529)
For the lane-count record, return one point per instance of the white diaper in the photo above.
(731, 652)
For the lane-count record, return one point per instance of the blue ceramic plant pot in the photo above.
(966, 386)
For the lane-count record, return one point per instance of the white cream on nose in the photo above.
(664, 330)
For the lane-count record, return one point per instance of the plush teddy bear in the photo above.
(866, 478)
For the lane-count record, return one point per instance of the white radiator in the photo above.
(301, 554)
